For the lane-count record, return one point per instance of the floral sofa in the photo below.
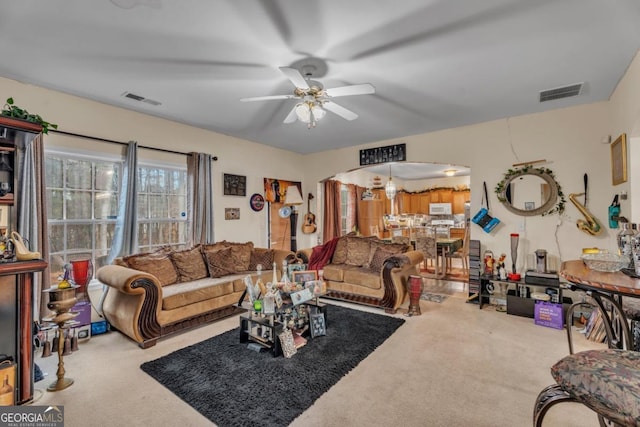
(151, 295)
(365, 269)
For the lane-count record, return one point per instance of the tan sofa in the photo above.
(365, 270)
(155, 294)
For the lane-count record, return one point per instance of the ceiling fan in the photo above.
(313, 98)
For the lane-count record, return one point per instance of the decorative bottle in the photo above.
(6, 393)
(274, 279)
(625, 241)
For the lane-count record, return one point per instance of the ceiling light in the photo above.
(310, 112)
(450, 172)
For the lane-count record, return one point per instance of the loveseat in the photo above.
(365, 270)
(151, 295)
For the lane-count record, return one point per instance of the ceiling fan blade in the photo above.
(361, 89)
(295, 77)
(267, 98)
(291, 117)
(339, 110)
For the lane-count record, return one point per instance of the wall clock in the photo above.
(256, 202)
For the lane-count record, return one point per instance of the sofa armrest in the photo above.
(133, 301)
(395, 275)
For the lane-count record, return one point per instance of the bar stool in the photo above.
(606, 381)
(631, 308)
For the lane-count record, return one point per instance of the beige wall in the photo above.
(236, 156)
(569, 139)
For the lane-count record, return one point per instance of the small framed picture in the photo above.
(301, 296)
(315, 286)
(619, 160)
(304, 276)
(231, 213)
(318, 327)
(529, 206)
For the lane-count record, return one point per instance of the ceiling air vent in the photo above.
(140, 98)
(561, 92)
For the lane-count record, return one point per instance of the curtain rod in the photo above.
(95, 138)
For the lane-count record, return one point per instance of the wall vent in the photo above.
(561, 92)
(140, 98)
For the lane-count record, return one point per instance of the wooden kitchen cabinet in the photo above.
(459, 198)
(370, 214)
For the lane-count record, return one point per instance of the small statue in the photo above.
(502, 271)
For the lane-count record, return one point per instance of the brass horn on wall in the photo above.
(590, 224)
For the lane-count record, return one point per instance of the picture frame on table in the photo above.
(619, 160)
(318, 325)
(315, 286)
(304, 276)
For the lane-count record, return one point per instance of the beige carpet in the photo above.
(454, 365)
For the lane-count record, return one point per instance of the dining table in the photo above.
(603, 287)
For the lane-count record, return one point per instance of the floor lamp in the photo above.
(293, 198)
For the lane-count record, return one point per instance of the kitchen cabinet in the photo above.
(370, 214)
(458, 199)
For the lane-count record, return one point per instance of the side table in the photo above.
(261, 330)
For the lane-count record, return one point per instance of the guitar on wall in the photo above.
(309, 225)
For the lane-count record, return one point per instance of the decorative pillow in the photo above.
(392, 248)
(189, 264)
(213, 247)
(340, 252)
(358, 250)
(220, 263)
(261, 256)
(377, 260)
(241, 255)
(159, 265)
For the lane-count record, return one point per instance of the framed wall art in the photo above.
(619, 160)
(231, 213)
(235, 185)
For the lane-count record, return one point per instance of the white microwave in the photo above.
(439, 208)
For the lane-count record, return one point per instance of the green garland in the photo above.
(512, 173)
(10, 110)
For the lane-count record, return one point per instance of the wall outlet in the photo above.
(522, 226)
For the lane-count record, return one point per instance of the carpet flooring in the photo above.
(234, 386)
(430, 296)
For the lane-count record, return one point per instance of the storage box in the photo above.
(549, 314)
(520, 306)
(84, 310)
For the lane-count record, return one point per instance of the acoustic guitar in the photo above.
(309, 225)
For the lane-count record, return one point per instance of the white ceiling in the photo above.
(435, 64)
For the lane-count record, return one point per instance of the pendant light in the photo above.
(390, 188)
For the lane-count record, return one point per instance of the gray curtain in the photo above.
(32, 210)
(125, 236)
(199, 199)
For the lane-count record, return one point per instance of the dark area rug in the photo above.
(234, 386)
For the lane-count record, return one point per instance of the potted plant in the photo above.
(13, 111)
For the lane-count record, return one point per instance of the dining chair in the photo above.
(428, 245)
(462, 253)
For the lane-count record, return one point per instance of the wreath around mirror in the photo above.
(555, 202)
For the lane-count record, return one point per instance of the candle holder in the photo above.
(60, 302)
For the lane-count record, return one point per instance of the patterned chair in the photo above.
(429, 247)
(606, 381)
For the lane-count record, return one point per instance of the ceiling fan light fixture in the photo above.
(318, 111)
(303, 112)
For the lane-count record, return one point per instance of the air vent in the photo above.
(140, 98)
(561, 92)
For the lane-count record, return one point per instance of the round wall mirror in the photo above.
(529, 192)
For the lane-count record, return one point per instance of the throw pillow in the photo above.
(159, 265)
(393, 248)
(213, 247)
(220, 263)
(358, 250)
(261, 256)
(189, 264)
(378, 258)
(241, 255)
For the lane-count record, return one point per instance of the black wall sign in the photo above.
(390, 153)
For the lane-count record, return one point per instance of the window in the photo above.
(344, 210)
(162, 207)
(82, 203)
